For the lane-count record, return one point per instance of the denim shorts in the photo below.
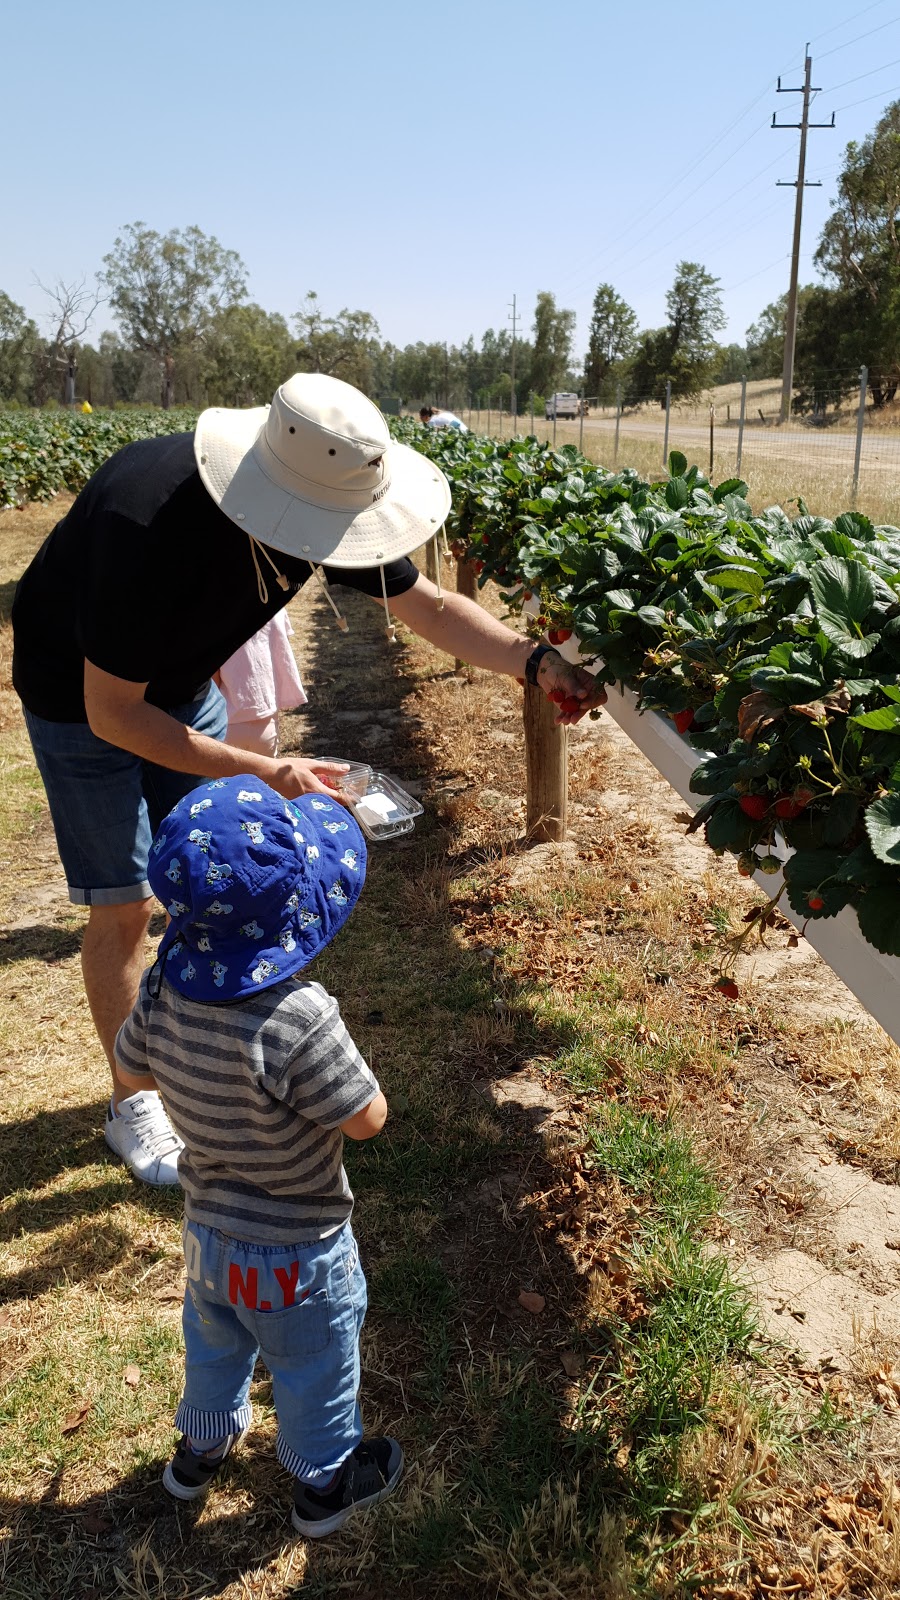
(300, 1307)
(107, 804)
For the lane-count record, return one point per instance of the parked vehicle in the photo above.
(562, 405)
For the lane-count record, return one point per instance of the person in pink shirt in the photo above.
(258, 681)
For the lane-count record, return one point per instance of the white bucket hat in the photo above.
(317, 475)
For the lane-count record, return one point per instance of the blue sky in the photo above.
(424, 162)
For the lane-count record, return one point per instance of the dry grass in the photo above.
(584, 970)
(780, 465)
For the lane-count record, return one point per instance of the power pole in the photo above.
(790, 323)
(512, 365)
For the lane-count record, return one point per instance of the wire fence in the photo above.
(848, 456)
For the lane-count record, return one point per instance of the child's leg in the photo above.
(312, 1352)
(220, 1351)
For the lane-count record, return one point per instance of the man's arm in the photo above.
(117, 712)
(466, 630)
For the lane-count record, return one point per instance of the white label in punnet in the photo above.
(376, 808)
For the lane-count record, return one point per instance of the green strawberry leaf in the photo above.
(815, 872)
(844, 594)
(879, 918)
(883, 828)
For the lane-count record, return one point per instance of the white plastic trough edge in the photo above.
(874, 978)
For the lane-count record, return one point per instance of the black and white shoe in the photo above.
(367, 1476)
(189, 1473)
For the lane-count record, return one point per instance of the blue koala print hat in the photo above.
(255, 885)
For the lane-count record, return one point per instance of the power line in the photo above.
(579, 271)
(847, 21)
(679, 205)
(833, 89)
(730, 288)
(848, 42)
(698, 222)
(881, 95)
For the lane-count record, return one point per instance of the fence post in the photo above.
(467, 585)
(532, 411)
(740, 448)
(499, 419)
(860, 424)
(581, 426)
(712, 439)
(489, 414)
(546, 768)
(618, 420)
(554, 420)
(666, 434)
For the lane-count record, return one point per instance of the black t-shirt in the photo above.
(150, 581)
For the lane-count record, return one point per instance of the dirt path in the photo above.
(831, 1287)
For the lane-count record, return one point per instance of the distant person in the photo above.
(261, 1079)
(175, 553)
(259, 680)
(433, 418)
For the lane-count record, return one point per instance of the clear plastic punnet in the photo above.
(354, 782)
(385, 810)
(382, 808)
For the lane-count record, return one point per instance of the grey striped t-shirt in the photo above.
(257, 1090)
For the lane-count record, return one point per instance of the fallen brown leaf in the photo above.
(534, 1303)
(132, 1376)
(75, 1418)
(172, 1291)
(572, 1363)
(96, 1522)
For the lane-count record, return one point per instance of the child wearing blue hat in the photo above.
(261, 1080)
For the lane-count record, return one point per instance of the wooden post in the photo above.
(547, 770)
(465, 584)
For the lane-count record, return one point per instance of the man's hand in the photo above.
(564, 684)
(295, 776)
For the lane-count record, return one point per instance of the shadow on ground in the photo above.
(455, 1366)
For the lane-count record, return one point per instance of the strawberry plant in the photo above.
(42, 452)
(773, 643)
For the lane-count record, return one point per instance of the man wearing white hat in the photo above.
(175, 553)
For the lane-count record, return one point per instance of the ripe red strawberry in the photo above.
(570, 705)
(684, 720)
(754, 805)
(562, 634)
(815, 902)
(552, 636)
(557, 696)
(478, 567)
(788, 808)
(728, 988)
(804, 796)
(526, 594)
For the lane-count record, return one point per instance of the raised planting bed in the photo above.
(872, 976)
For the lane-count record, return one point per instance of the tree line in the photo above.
(185, 330)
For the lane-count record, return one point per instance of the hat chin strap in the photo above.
(261, 589)
(390, 629)
(322, 581)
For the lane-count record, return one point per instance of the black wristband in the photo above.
(534, 661)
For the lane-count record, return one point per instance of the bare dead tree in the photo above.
(74, 305)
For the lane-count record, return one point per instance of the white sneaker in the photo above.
(140, 1132)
